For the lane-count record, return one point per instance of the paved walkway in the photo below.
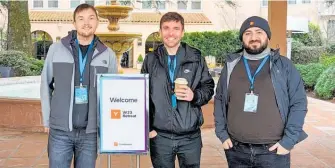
(19, 149)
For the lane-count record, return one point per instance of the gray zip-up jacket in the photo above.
(57, 84)
(290, 96)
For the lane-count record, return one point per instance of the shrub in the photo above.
(310, 74)
(327, 60)
(17, 60)
(36, 66)
(306, 54)
(217, 44)
(330, 49)
(302, 69)
(21, 63)
(140, 58)
(312, 38)
(325, 86)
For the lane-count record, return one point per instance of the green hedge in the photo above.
(218, 44)
(312, 38)
(330, 49)
(327, 60)
(325, 87)
(310, 74)
(36, 66)
(306, 54)
(21, 63)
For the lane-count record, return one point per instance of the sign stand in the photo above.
(137, 161)
(109, 161)
(123, 115)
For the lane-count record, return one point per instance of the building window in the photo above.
(90, 2)
(53, 3)
(292, 1)
(196, 4)
(75, 3)
(125, 2)
(160, 4)
(306, 1)
(182, 4)
(146, 4)
(149, 4)
(265, 2)
(38, 4)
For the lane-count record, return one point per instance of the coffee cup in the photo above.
(179, 82)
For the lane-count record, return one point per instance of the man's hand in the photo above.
(184, 93)
(46, 130)
(152, 134)
(280, 150)
(227, 144)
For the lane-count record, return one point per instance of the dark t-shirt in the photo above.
(263, 127)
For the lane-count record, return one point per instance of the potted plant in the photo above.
(139, 61)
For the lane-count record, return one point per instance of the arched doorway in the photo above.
(41, 41)
(152, 42)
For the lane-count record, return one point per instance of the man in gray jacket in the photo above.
(69, 93)
(260, 102)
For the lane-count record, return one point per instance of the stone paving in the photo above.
(24, 149)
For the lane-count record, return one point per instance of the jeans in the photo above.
(243, 155)
(63, 146)
(163, 151)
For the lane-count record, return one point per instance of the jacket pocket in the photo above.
(61, 98)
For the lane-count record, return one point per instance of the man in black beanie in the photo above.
(260, 102)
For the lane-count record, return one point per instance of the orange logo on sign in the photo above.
(116, 144)
(116, 114)
(252, 23)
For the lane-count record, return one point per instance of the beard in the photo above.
(255, 51)
(86, 33)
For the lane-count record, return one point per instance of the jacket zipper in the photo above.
(95, 76)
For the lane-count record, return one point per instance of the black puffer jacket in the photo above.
(187, 117)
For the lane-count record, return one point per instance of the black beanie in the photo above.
(255, 21)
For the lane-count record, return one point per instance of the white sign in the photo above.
(123, 113)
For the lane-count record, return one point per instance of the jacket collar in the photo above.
(69, 41)
(274, 55)
(185, 53)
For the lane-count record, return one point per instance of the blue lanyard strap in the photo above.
(247, 68)
(172, 68)
(82, 61)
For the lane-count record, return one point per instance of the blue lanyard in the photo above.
(82, 61)
(171, 73)
(172, 70)
(247, 68)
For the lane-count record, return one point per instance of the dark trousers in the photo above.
(163, 151)
(255, 156)
(63, 146)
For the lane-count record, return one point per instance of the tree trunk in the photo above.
(19, 37)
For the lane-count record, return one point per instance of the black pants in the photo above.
(163, 151)
(255, 156)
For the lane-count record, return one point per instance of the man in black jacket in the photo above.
(260, 102)
(175, 113)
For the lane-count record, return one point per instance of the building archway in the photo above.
(41, 41)
(152, 42)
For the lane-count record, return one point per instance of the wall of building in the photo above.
(222, 16)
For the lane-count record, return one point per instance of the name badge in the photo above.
(81, 96)
(251, 102)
